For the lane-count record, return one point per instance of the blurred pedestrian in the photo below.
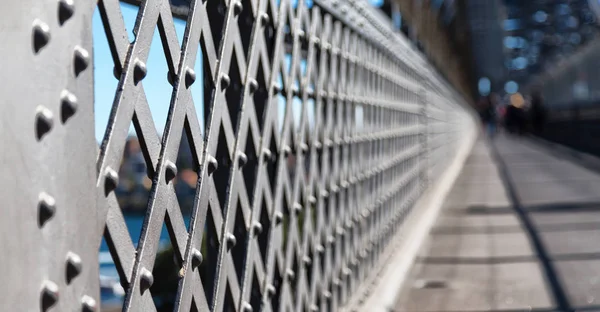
(488, 114)
(537, 113)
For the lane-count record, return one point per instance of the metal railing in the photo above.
(265, 233)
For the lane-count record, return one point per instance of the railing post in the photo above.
(47, 158)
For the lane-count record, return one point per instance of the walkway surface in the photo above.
(520, 231)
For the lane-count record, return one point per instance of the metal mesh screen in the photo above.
(290, 212)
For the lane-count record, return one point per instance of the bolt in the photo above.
(242, 159)
(257, 228)
(111, 180)
(146, 280)
(278, 217)
(88, 304)
(41, 35)
(252, 85)
(196, 258)
(225, 81)
(49, 295)
(231, 241)
(212, 164)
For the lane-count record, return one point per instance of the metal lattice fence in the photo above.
(266, 233)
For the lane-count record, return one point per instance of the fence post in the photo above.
(49, 239)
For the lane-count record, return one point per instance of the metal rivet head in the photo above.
(242, 159)
(43, 121)
(225, 81)
(320, 249)
(287, 150)
(314, 308)
(297, 208)
(336, 282)
(49, 295)
(264, 19)
(270, 290)
(252, 85)
(40, 36)
(73, 266)
(276, 87)
(111, 180)
(326, 294)
(88, 304)
(330, 239)
(324, 193)
(257, 228)
(340, 231)
(170, 171)
(278, 217)
(237, 7)
(190, 77)
(290, 274)
(196, 258)
(81, 60)
(65, 10)
(266, 153)
(304, 147)
(231, 241)
(318, 145)
(68, 105)
(246, 307)
(312, 200)
(307, 261)
(212, 164)
(146, 280)
(139, 71)
(46, 208)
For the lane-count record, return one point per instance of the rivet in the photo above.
(264, 19)
(304, 147)
(190, 77)
(257, 228)
(88, 304)
(46, 208)
(324, 193)
(231, 241)
(246, 307)
(68, 105)
(318, 144)
(314, 308)
(330, 239)
(242, 159)
(307, 261)
(237, 7)
(347, 271)
(196, 258)
(287, 150)
(252, 85)
(139, 71)
(297, 208)
(73, 266)
(111, 180)
(146, 280)
(43, 121)
(170, 171)
(278, 217)
(41, 35)
(81, 60)
(340, 231)
(270, 290)
(290, 274)
(65, 10)
(320, 249)
(312, 200)
(266, 153)
(225, 81)
(212, 164)
(49, 295)
(326, 294)
(336, 282)
(301, 33)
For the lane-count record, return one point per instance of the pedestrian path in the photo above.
(520, 231)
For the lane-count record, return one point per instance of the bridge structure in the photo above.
(331, 168)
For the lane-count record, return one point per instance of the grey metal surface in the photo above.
(363, 173)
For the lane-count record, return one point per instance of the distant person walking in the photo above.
(537, 113)
(488, 114)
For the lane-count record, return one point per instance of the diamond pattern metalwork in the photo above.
(294, 211)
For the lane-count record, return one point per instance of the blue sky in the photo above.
(158, 90)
